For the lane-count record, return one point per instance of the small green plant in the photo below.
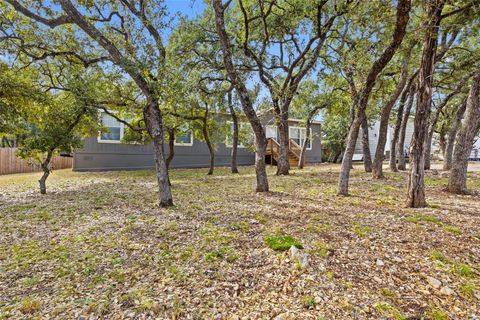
(394, 313)
(282, 243)
(388, 293)
(468, 289)
(308, 302)
(419, 217)
(220, 254)
(362, 231)
(320, 249)
(30, 305)
(436, 314)
(453, 229)
(440, 257)
(464, 270)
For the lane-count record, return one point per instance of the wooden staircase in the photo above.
(273, 151)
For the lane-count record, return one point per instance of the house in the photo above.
(108, 151)
(373, 139)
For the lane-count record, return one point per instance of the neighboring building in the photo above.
(109, 152)
(373, 139)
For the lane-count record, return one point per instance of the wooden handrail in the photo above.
(294, 148)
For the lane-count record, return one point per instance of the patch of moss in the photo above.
(282, 243)
(362, 231)
(436, 314)
(453, 229)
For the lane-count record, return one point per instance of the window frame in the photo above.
(300, 138)
(184, 144)
(121, 126)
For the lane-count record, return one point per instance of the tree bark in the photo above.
(384, 117)
(452, 134)
(46, 168)
(398, 124)
(233, 114)
(367, 156)
(400, 148)
(239, 85)
(402, 17)
(434, 121)
(416, 185)
(303, 152)
(457, 183)
(171, 149)
(283, 166)
(206, 136)
(154, 124)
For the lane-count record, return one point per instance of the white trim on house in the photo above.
(120, 125)
(184, 144)
(300, 138)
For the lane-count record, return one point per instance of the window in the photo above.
(271, 132)
(298, 135)
(184, 138)
(114, 132)
(245, 135)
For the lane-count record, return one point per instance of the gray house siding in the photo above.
(97, 156)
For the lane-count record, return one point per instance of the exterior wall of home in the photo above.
(96, 156)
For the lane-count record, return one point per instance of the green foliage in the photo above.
(282, 242)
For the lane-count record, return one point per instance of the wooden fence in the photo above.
(10, 163)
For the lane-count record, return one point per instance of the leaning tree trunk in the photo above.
(398, 125)
(154, 124)
(385, 116)
(400, 148)
(233, 114)
(416, 184)
(452, 134)
(247, 105)
(46, 168)
(367, 156)
(282, 162)
(457, 183)
(402, 17)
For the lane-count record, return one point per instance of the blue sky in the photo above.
(190, 8)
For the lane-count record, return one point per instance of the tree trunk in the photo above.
(171, 149)
(398, 125)
(46, 167)
(457, 183)
(433, 123)
(303, 153)
(400, 148)
(385, 116)
(282, 162)
(452, 134)
(247, 105)
(154, 124)
(367, 156)
(337, 156)
(416, 185)
(206, 136)
(233, 114)
(402, 17)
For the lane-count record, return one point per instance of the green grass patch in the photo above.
(394, 313)
(362, 231)
(452, 229)
(436, 314)
(282, 243)
(420, 217)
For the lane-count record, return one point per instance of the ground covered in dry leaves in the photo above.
(97, 246)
